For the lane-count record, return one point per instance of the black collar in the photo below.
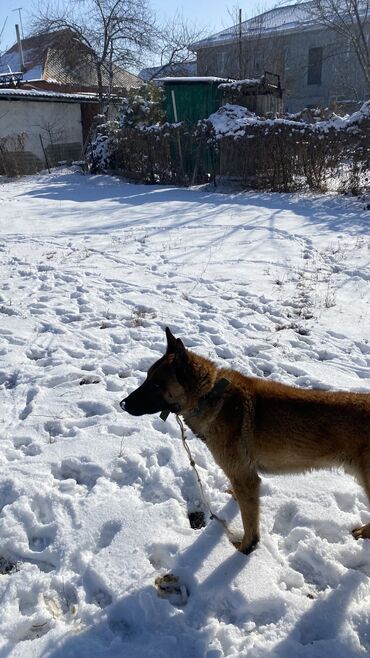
(215, 392)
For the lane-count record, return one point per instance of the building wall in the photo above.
(341, 77)
(23, 121)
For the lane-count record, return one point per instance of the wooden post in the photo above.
(178, 133)
(45, 156)
(240, 46)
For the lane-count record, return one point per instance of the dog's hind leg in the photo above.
(246, 491)
(363, 532)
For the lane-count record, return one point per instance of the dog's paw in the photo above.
(230, 491)
(361, 533)
(169, 587)
(246, 549)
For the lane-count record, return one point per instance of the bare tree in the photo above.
(349, 19)
(248, 52)
(174, 39)
(112, 32)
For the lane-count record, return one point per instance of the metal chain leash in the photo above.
(212, 514)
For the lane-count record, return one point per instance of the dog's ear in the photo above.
(175, 346)
(180, 351)
(171, 342)
(179, 357)
(182, 364)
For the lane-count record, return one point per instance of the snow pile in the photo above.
(236, 120)
(237, 85)
(232, 120)
(95, 503)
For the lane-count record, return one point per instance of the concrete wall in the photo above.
(341, 80)
(22, 121)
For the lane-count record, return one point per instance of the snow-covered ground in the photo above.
(94, 503)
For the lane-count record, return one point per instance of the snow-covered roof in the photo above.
(192, 79)
(45, 58)
(279, 19)
(178, 69)
(10, 62)
(237, 84)
(36, 94)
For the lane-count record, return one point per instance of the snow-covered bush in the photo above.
(140, 109)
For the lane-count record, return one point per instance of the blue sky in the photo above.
(212, 14)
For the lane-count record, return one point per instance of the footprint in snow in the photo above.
(93, 408)
(81, 470)
(32, 393)
(26, 446)
(90, 379)
(107, 534)
(96, 592)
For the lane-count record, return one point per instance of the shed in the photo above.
(262, 95)
(191, 98)
(39, 128)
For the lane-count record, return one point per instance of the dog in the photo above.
(253, 426)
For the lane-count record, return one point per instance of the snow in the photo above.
(234, 120)
(294, 17)
(190, 79)
(10, 61)
(94, 503)
(47, 95)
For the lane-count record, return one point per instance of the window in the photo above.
(314, 66)
(221, 60)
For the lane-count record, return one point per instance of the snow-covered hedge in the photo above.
(277, 154)
(290, 153)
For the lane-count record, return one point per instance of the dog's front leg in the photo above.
(246, 489)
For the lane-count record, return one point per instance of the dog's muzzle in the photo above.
(122, 404)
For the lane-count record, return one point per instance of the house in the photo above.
(58, 61)
(317, 68)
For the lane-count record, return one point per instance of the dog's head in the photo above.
(173, 383)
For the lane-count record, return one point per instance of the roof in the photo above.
(176, 69)
(46, 57)
(280, 19)
(191, 80)
(267, 84)
(37, 95)
(35, 51)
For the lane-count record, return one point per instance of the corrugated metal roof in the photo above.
(45, 59)
(35, 94)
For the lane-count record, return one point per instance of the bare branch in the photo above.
(175, 39)
(348, 19)
(114, 32)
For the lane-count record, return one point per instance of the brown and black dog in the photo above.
(254, 425)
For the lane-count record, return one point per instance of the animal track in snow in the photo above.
(33, 391)
(107, 534)
(93, 408)
(96, 592)
(82, 470)
(26, 536)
